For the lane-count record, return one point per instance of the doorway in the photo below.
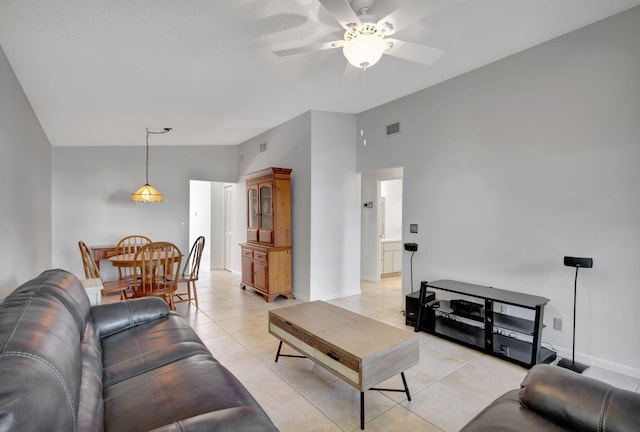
(380, 219)
(390, 227)
(228, 227)
(211, 215)
(200, 217)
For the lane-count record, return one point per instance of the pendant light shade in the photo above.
(147, 193)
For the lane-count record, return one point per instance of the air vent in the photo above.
(393, 128)
(263, 147)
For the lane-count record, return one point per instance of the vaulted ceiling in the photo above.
(97, 73)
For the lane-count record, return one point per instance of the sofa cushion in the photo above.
(148, 346)
(40, 359)
(175, 392)
(227, 420)
(111, 318)
(579, 402)
(507, 414)
(59, 286)
(90, 407)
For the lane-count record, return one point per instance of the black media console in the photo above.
(502, 323)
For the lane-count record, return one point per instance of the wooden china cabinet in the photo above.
(266, 256)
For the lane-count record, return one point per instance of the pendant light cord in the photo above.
(575, 294)
(147, 165)
(165, 130)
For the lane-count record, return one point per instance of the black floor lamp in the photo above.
(577, 263)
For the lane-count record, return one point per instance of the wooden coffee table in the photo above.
(360, 350)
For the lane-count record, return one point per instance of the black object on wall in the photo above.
(577, 263)
(411, 247)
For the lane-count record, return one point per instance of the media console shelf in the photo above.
(502, 323)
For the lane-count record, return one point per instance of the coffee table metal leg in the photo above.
(406, 387)
(278, 355)
(404, 390)
(404, 382)
(361, 410)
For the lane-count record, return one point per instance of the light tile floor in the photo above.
(449, 386)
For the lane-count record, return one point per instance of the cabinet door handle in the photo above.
(334, 356)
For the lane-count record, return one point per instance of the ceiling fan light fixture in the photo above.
(365, 49)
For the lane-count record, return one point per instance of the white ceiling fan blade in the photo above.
(414, 52)
(342, 11)
(309, 48)
(409, 14)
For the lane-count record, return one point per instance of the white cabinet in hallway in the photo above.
(390, 256)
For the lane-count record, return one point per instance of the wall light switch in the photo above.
(413, 228)
(557, 324)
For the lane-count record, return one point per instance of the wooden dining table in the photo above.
(128, 260)
(101, 252)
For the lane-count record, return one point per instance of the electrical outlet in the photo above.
(557, 324)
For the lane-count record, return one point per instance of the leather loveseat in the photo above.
(556, 399)
(126, 366)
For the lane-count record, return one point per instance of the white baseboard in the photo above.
(600, 363)
(340, 294)
(301, 298)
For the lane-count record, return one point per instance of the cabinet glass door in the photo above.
(266, 214)
(265, 207)
(253, 212)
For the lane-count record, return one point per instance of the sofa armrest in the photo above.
(579, 403)
(110, 318)
(227, 420)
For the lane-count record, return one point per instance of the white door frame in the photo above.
(227, 225)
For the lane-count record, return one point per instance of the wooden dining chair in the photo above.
(159, 267)
(189, 274)
(91, 271)
(130, 245)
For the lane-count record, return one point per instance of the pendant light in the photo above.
(148, 193)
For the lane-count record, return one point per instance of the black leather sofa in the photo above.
(556, 399)
(126, 366)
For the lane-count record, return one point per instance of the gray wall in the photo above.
(325, 194)
(25, 191)
(511, 167)
(92, 189)
(288, 146)
(335, 207)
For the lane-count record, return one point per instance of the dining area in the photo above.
(146, 268)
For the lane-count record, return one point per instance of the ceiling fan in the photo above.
(366, 39)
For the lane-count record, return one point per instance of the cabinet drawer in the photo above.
(338, 355)
(247, 253)
(260, 256)
(291, 329)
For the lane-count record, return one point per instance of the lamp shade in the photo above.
(364, 50)
(147, 193)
